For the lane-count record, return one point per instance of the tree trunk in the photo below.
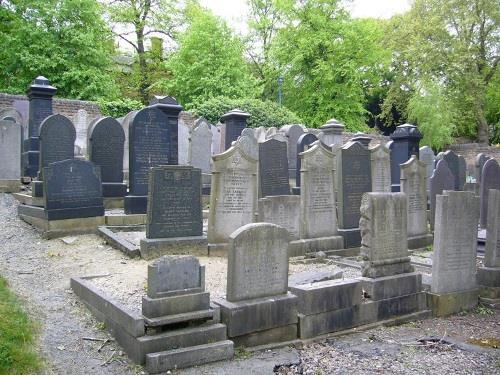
(143, 79)
(482, 124)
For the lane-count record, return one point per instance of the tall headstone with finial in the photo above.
(40, 95)
(331, 133)
(234, 123)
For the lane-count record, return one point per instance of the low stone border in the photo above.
(127, 247)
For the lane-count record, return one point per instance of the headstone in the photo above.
(362, 138)
(331, 133)
(257, 262)
(462, 172)
(413, 184)
(380, 158)
(354, 179)
(12, 114)
(428, 158)
(200, 147)
(292, 133)
(152, 142)
(492, 251)
(282, 210)
(455, 242)
(260, 134)
(442, 179)
(106, 148)
(183, 143)
(383, 226)
(80, 120)
(490, 179)
(174, 202)
(72, 189)
(235, 121)
(453, 162)
(126, 125)
(248, 143)
(479, 163)
(318, 215)
(303, 143)
(216, 139)
(233, 198)
(271, 131)
(405, 142)
(40, 95)
(10, 155)
(273, 168)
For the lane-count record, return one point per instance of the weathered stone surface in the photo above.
(173, 273)
(442, 179)
(331, 133)
(478, 165)
(282, 334)
(125, 122)
(380, 157)
(383, 230)
(174, 202)
(233, 199)
(282, 210)
(72, 189)
(405, 143)
(303, 143)
(273, 168)
(317, 199)
(444, 304)
(455, 242)
(271, 131)
(426, 155)
(453, 162)
(235, 121)
(492, 250)
(10, 150)
(413, 184)
(173, 305)
(292, 133)
(81, 121)
(183, 143)
(393, 286)
(490, 179)
(309, 277)
(248, 143)
(257, 262)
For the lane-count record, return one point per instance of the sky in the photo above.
(234, 11)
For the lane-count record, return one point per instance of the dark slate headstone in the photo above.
(405, 143)
(273, 168)
(234, 123)
(40, 95)
(303, 143)
(490, 179)
(72, 189)
(453, 162)
(106, 146)
(479, 164)
(441, 179)
(153, 142)
(174, 202)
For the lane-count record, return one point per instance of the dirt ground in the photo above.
(39, 271)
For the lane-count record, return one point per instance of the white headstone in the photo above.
(200, 147)
(381, 168)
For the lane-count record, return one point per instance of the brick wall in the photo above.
(470, 150)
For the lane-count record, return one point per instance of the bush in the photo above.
(118, 108)
(264, 113)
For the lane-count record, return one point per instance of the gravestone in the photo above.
(233, 198)
(383, 225)
(490, 179)
(248, 143)
(303, 143)
(462, 171)
(414, 185)
(57, 143)
(257, 264)
(380, 158)
(183, 134)
(80, 120)
(292, 134)
(152, 142)
(235, 121)
(454, 164)
(362, 138)
(126, 125)
(479, 164)
(331, 133)
(453, 286)
(22, 106)
(354, 179)
(10, 156)
(106, 149)
(174, 204)
(260, 134)
(442, 179)
(282, 210)
(200, 147)
(216, 139)
(405, 142)
(273, 168)
(72, 189)
(13, 114)
(428, 158)
(40, 95)
(271, 131)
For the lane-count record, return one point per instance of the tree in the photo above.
(136, 20)
(209, 61)
(452, 44)
(329, 62)
(65, 40)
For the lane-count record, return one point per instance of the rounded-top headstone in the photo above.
(490, 179)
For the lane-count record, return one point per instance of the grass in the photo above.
(17, 354)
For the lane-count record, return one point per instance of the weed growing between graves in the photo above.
(17, 354)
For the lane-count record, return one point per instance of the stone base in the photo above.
(217, 249)
(114, 189)
(126, 220)
(112, 203)
(352, 237)
(268, 336)
(420, 242)
(10, 186)
(257, 315)
(118, 242)
(489, 292)
(313, 245)
(135, 204)
(30, 159)
(493, 303)
(451, 303)
(37, 189)
(296, 190)
(36, 216)
(392, 286)
(488, 276)
(386, 268)
(156, 247)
